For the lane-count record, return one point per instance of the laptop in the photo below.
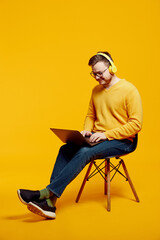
(73, 136)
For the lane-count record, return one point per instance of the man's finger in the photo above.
(82, 132)
(97, 139)
(88, 133)
(93, 138)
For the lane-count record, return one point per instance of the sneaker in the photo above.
(27, 196)
(42, 209)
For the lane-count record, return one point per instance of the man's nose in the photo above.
(97, 77)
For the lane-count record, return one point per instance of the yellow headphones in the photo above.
(112, 68)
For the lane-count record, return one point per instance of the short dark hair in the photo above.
(99, 58)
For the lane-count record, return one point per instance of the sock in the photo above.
(52, 201)
(45, 193)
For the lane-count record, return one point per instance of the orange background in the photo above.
(45, 82)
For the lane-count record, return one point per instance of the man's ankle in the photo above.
(45, 193)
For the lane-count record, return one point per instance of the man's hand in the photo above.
(97, 137)
(86, 133)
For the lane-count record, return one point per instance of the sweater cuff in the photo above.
(87, 129)
(108, 136)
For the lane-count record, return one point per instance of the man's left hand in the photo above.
(97, 137)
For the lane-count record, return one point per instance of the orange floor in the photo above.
(89, 218)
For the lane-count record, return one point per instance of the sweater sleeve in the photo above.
(90, 117)
(134, 123)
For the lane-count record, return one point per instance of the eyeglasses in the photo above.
(97, 74)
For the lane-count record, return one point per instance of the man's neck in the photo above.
(114, 80)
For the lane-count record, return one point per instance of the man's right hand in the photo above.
(86, 133)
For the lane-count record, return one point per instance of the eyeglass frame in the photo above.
(97, 74)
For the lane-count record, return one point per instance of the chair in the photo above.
(106, 174)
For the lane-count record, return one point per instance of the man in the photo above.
(114, 115)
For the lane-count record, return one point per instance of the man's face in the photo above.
(101, 73)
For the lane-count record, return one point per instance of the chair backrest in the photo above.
(135, 141)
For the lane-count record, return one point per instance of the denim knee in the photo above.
(84, 150)
(85, 154)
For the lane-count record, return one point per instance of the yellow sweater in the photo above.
(117, 111)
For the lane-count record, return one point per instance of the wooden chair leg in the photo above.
(84, 181)
(129, 180)
(105, 181)
(108, 186)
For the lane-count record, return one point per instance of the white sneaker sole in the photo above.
(37, 210)
(19, 195)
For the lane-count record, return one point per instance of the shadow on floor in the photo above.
(28, 217)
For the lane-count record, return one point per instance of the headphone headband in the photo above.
(113, 67)
(106, 56)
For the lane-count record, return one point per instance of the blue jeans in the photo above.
(72, 159)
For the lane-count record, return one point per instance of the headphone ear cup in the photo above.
(110, 69)
(114, 69)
